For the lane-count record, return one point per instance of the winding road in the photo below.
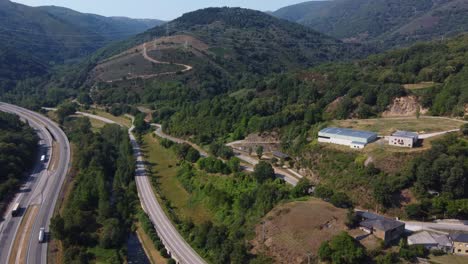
(145, 55)
(39, 194)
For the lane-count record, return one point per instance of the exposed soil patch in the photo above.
(292, 230)
(404, 106)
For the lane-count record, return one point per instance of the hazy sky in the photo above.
(161, 9)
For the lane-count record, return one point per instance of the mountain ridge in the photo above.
(35, 39)
(390, 23)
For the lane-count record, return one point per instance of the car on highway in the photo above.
(42, 235)
(16, 209)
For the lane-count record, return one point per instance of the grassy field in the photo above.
(385, 126)
(103, 255)
(123, 120)
(449, 259)
(294, 229)
(164, 166)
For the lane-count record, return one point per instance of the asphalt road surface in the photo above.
(174, 242)
(41, 189)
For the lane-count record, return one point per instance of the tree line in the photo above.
(99, 211)
(18, 152)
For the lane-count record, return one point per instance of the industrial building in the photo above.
(355, 139)
(403, 139)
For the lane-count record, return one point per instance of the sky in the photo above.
(159, 9)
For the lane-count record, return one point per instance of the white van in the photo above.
(41, 235)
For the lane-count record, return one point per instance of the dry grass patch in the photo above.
(419, 86)
(385, 126)
(294, 229)
(449, 259)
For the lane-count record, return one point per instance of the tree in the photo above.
(414, 211)
(263, 171)
(259, 152)
(234, 165)
(140, 124)
(57, 226)
(301, 189)
(342, 249)
(464, 129)
(192, 155)
(64, 110)
(323, 192)
(340, 199)
(352, 220)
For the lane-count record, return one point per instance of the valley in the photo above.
(323, 132)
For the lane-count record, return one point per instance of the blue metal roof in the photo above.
(348, 132)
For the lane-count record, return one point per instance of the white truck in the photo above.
(41, 235)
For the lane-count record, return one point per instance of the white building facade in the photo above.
(403, 139)
(355, 139)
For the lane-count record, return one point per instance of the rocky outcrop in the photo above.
(404, 106)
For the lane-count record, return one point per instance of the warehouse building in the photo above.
(355, 139)
(403, 139)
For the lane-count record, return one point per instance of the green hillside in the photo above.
(246, 40)
(35, 39)
(223, 45)
(390, 23)
(294, 102)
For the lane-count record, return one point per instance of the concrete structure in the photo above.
(384, 228)
(403, 139)
(460, 244)
(431, 240)
(355, 139)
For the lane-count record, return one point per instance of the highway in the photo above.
(174, 242)
(39, 193)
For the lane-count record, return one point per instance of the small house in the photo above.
(384, 228)
(460, 243)
(403, 139)
(431, 241)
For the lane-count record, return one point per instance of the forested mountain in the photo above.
(34, 39)
(223, 45)
(242, 40)
(295, 101)
(18, 145)
(390, 23)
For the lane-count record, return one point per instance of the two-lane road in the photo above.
(41, 191)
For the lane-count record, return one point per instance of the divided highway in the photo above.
(39, 194)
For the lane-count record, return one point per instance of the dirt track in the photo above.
(145, 55)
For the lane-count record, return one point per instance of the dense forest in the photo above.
(97, 217)
(18, 146)
(386, 23)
